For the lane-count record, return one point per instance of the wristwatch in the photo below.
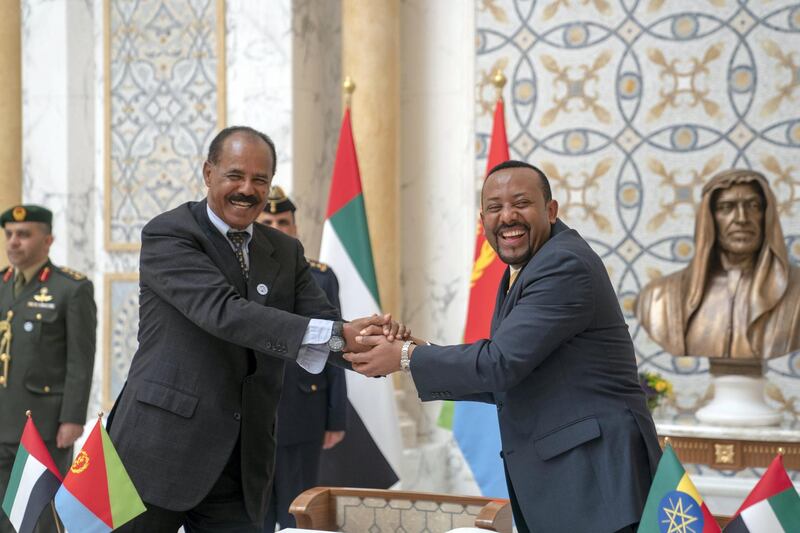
(405, 359)
(336, 343)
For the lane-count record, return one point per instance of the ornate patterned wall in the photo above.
(630, 106)
(166, 100)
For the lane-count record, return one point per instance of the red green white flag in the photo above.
(346, 248)
(773, 505)
(33, 483)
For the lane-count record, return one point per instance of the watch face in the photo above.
(336, 343)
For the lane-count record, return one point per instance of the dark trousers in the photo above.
(519, 519)
(221, 510)
(296, 469)
(8, 451)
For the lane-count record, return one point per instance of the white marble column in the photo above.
(58, 123)
(438, 206)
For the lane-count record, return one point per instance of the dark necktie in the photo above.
(238, 238)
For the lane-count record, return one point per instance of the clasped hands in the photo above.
(374, 344)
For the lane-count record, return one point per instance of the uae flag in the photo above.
(34, 481)
(369, 456)
(773, 506)
(475, 427)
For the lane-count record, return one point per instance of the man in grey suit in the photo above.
(223, 302)
(579, 445)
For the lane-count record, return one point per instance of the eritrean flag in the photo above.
(773, 506)
(97, 495)
(673, 504)
(369, 455)
(34, 481)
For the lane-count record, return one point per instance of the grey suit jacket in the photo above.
(209, 366)
(578, 441)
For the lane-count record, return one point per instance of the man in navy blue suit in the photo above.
(579, 445)
(312, 413)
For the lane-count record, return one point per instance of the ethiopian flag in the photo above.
(773, 505)
(34, 481)
(97, 495)
(673, 503)
(369, 455)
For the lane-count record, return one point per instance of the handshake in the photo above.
(374, 344)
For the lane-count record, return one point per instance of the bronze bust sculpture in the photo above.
(738, 301)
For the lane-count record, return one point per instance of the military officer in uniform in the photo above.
(313, 408)
(47, 340)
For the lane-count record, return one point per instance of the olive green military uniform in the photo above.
(53, 326)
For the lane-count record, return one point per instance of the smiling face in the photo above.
(516, 218)
(238, 183)
(739, 219)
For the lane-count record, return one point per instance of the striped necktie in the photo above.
(238, 238)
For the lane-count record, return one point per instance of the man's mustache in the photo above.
(250, 199)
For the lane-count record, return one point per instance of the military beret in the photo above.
(278, 202)
(26, 213)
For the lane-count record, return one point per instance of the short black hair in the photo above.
(215, 147)
(512, 163)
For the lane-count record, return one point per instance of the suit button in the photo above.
(237, 416)
(46, 388)
(313, 387)
(38, 316)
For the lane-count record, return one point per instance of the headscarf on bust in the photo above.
(771, 280)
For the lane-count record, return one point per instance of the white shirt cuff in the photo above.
(313, 353)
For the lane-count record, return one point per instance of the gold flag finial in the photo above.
(349, 87)
(781, 451)
(499, 81)
(28, 413)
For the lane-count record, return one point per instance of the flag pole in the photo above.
(349, 87)
(499, 81)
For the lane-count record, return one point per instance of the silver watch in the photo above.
(405, 359)
(337, 343)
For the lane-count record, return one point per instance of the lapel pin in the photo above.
(28, 326)
(262, 289)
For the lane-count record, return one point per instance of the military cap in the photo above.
(278, 202)
(27, 213)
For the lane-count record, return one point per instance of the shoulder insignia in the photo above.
(74, 274)
(317, 265)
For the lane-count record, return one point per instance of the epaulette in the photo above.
(317, 265)
(70, 273)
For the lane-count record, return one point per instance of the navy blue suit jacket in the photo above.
(312, 404)
(578, 441)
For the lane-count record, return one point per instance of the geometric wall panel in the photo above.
(165, 100)
(629, 107)
(121, 319)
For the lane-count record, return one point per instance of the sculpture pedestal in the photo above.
(739, 401)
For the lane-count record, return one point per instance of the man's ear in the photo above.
(207, 173)
(552, 211)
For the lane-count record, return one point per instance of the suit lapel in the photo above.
(220, 251)
(263, 268)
